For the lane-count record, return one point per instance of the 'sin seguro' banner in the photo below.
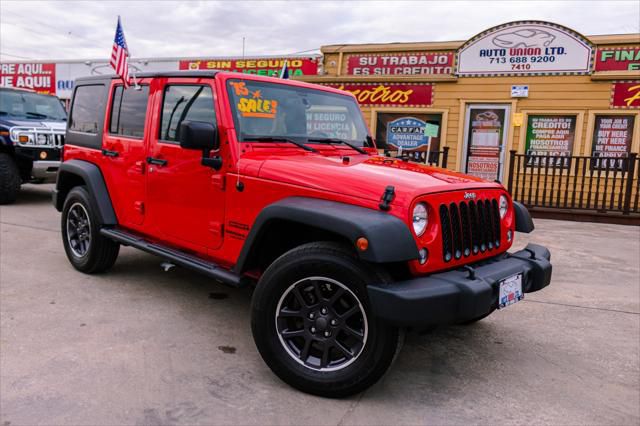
(612, 136)
(550, 136)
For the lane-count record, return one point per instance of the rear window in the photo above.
(128, 111)
(86, 109)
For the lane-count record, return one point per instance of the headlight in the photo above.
(504, 206)
(42, 139)
(420, 219)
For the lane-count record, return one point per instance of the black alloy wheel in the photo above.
(78, 230)
(321, 324)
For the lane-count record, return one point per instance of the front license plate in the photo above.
(510, 290)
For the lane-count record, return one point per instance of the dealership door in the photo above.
(485, 135)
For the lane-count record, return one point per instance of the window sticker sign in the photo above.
(612, 136)
(550, 135)
(36, 76)
(407, 133)
(329, 122)
(617, 59)
(251, 104)
(260, 66)
(427, 63)
(525, 48)
(625, 94)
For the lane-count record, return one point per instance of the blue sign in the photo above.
(407, 133)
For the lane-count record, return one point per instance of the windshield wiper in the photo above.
(35, 115)
(334, 140)
(279, 139)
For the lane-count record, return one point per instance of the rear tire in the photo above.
(86, 249)
(312, 323)
(9, 179)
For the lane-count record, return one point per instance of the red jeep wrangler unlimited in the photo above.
(275, 183)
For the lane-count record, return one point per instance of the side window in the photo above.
(86, 109)
(192, 103)
(128, 111)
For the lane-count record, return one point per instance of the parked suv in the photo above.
(32, 128)
(255, 181)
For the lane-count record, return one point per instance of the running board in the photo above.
(209, 269)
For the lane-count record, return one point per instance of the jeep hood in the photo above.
(24, 122)
(367, 176)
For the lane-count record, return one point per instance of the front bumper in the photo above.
(47, 170)
(460, 295)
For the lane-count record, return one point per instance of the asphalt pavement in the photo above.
(139, 346)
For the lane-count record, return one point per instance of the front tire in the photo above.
(313, 326)
(9, 179)
(86, 249)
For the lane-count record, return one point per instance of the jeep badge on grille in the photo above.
(469, 195)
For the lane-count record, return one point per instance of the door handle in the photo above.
(157, 161)
(108, 153)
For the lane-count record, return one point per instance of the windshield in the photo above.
(272, 110)
(31, 106)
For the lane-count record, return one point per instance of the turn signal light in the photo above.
(23, 138)
(362, 243)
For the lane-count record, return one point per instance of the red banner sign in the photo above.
(393, 94)
(401, 64)
(625, 94)
(261, 66)
(618, 59)
(36, 76)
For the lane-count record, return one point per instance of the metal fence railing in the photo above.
(596, 184)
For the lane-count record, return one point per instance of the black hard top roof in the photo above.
(188, 73)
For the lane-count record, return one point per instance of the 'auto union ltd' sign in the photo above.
(525, 48)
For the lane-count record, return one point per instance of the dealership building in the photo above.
(552, 114)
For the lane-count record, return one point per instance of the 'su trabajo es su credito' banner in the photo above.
(260, 66)
(428, 63)
(39, 77)
(392, 94)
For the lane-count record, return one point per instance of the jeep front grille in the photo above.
(469, 228)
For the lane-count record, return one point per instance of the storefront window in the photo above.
(408, 132)
(486, 135)
(550, 136)
(612, 136)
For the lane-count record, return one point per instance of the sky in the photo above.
(84, 30)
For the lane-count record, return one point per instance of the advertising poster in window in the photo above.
(394, 130)
(612, 136)
(485, 139)
(552, 136)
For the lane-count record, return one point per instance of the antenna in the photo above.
(242, 47)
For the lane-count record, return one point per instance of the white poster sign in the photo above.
(525, 48)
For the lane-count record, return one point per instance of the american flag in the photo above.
(120, 55)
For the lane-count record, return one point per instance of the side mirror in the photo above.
(198, 135)
(202, 136)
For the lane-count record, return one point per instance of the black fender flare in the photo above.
(390, 239)
(68, 174)
(524, 223)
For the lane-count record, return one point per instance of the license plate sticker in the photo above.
(510, 291)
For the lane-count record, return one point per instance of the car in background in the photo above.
(32, 128)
